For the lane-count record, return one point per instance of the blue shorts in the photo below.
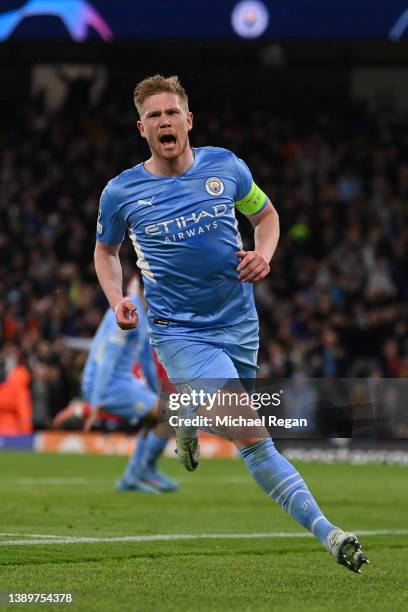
(209, 360)
(223, 353)
(129, 399)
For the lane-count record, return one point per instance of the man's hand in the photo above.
(253, 267)
(126, 314)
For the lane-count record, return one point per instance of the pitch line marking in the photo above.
(46, 481)
(31, 535)
(102, 481)
(178, 537)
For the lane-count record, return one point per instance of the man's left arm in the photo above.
(254, 265)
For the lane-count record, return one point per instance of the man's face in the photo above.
(165, 123)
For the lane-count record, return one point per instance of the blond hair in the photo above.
(158, 84)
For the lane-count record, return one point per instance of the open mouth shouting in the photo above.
(168, 141)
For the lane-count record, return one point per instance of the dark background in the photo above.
(322, 123)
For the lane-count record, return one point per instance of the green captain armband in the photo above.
(253, 202)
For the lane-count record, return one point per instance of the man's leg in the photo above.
(154, 446)
(283, 483)
(131, 479)
(141, 473)
(193, 364)
(231, 359)
(277, 476)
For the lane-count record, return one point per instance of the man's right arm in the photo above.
(109, 272)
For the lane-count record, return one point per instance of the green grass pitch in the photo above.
(70, 497)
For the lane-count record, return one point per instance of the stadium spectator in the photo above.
(15, 403)
(335, 301)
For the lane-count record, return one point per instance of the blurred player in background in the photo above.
(108, 383)
(179, 209)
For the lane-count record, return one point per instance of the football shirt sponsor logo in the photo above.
(184, 221)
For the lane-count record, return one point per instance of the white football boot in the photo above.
(346, 549)
(188, 450)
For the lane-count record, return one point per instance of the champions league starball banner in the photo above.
(125, 20)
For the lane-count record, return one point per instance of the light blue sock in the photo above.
(281, 481)
(133, 466)
(154, 447)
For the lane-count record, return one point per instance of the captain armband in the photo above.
(253, 202)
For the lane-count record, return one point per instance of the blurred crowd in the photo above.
(335, 303)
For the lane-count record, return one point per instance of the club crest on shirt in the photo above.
(214, 186)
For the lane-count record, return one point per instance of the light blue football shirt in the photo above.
(185, 234)
(113, 354)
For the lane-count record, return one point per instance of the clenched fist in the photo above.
(126, 314)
